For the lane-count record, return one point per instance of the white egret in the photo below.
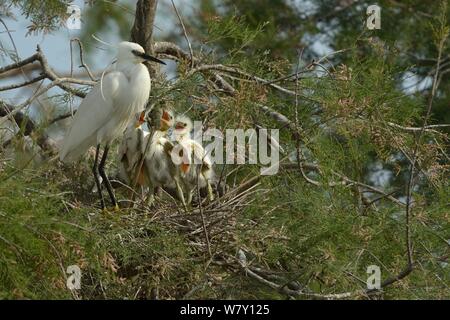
(196, 168)
(107, 109)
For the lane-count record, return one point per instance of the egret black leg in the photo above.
(95, 171)
(101, 170)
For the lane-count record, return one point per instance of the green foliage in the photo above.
(233, 30)
(280, 20)
(32, 233)
(40, 238)
(45, 16)
(321, 238)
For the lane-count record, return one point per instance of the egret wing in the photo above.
(94, 112)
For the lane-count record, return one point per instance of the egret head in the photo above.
(166, 120)
(130, 51)
(183, 125)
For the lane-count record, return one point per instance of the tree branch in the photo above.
(142, 30)
(23, 84)
(185, 34)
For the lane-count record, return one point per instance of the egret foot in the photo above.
(115, 208)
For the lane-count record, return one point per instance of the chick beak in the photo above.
(141, 119)
(184, 167)
(165, 115)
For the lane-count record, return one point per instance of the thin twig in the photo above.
(83, 64)
(23, 84)
(185, 34)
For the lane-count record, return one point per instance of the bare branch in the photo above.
(185, 34)
(428, 128)
(176, 53)
(20, 63)
(23, 84)
(281, 118)
(56, 82)
(54, 77)
(83, 64)
(234, 70)
(142, 30)
(28, 125)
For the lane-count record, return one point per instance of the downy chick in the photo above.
(196, 168)
(131, 151)
(160, 170)
(145, 157)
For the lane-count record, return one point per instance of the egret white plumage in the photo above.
(108, 108)
(196, 168)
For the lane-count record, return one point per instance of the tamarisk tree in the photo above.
(363, 178)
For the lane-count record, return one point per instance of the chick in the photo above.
(157, 169)
(196, 168)
(131, 151)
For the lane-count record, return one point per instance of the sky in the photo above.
(56, 48)
(56, 45)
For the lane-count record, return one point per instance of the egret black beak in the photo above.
(147, 57)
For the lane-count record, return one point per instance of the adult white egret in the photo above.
(196, 168)
(107, 109)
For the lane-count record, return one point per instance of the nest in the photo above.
(208, 226)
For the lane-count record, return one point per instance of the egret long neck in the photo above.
(136, 91)
(130, 69)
